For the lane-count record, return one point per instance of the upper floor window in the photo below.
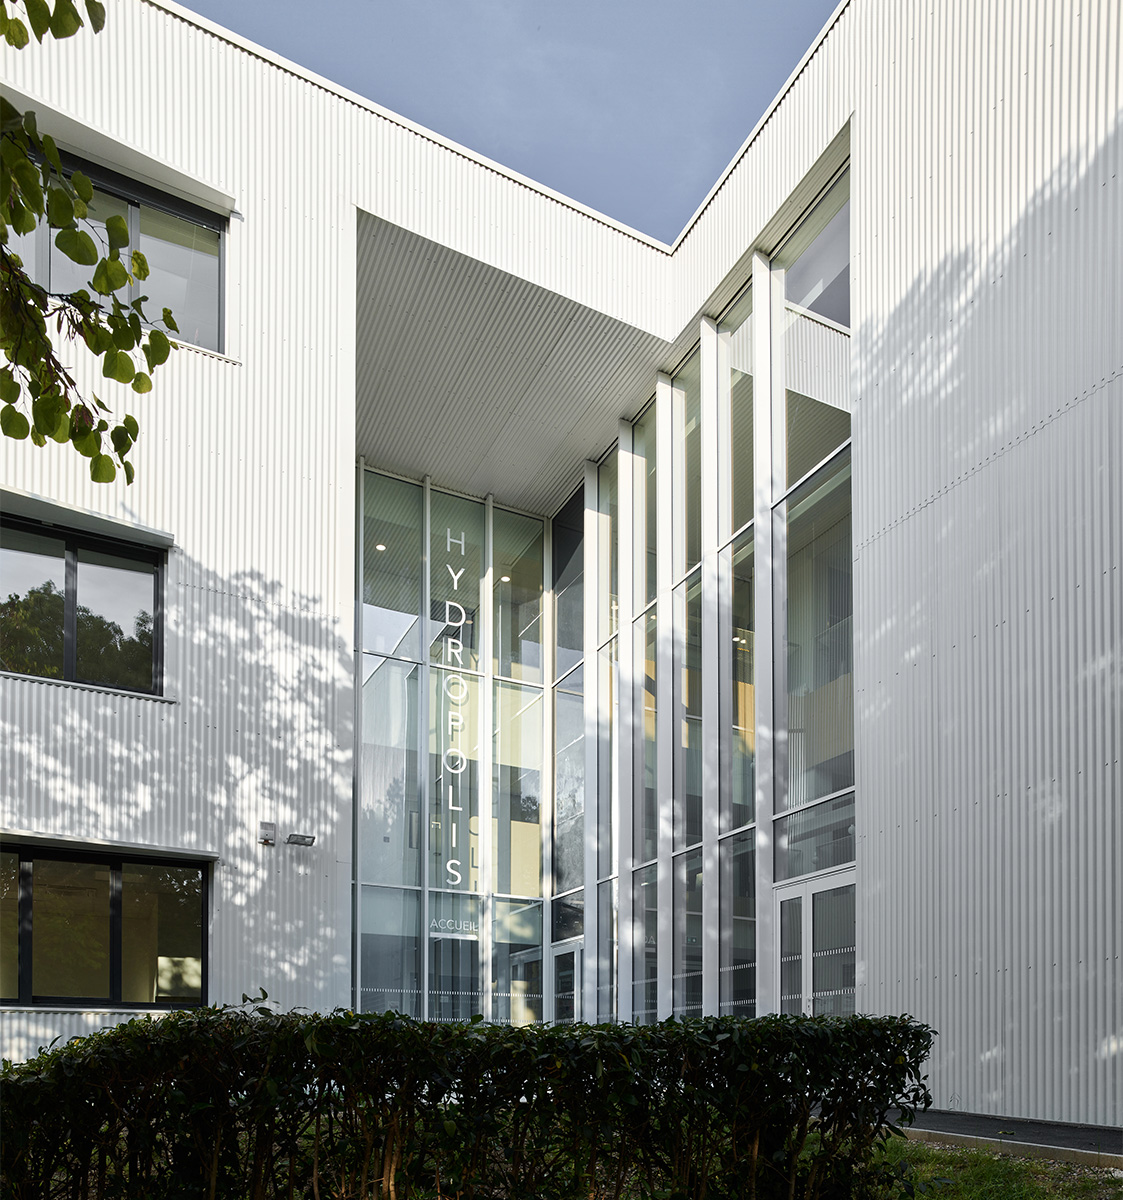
(181, 241)
(81, 608)
(816, 256)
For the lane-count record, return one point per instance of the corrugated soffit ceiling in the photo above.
(481, 380)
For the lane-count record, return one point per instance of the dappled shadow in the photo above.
(255, 725)
(988, 650)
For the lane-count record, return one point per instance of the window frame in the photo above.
(134, 194)
(117, 860)
(75, 540)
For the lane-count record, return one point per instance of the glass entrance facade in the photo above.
(608, 755)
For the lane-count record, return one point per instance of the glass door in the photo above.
(817, 946)
(568, 981)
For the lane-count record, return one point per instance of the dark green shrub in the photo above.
(247, 1103)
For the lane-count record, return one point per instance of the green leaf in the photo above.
(82, 186)
(9, 388)
(13, 423)
(16, 35)
(23, 219)
(95, 10)
(97, 337)
(123, 368)
(36, 436)
(110, 275)
(11, 118)
(131, 425)
(39, 14)
(117, 232)
(46, 413)
(87, 443)
(122, 443)
(157, 349)
(62, 433)
(78, 246)
(102, 469)
(169, 321)
(29, 184)
(65, 21)
(142, 383)
(140, 265)
(51, 151)
(60, 208)
(110, 362)
(130, 471)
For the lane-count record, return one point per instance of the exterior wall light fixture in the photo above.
(300, 839)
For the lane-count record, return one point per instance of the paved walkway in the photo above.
(1039, 1138)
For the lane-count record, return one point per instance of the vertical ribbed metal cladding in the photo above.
(240, 461)
(987, 371)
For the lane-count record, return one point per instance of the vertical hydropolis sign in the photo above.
(454, 762)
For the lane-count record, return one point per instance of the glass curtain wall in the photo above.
(608, 722)
(449, 855)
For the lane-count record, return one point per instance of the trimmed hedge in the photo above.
(225, 1102)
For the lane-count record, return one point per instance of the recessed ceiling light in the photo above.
(380, 546)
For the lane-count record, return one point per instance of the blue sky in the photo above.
(633, 107)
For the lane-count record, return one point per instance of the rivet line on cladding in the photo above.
(1024, 436)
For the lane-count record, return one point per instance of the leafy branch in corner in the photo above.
(39, 397)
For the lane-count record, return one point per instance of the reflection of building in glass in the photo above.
(730, 627)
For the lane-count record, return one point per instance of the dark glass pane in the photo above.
(517, 572)
(568, 916)
(736, 332)
(645, 946)
(393, 534)
(569, 782)
(644, 448)
(32, 603)
(737, 975)
(161, 933)
(688, 712)
(815, 839)
(647, 758)
(608, 502)
(569, 580)
(833, 952)
(9, 925)
(606, 951)
(820, 638)
(814, 429)
(116, 607)
(686, 970)
(71, 924)
(791, 956)
(390, 951)
(567, 987)
(688, 434)
(454, 957)
(390, 815)
(739, 701)
(183, 275)
(608, 715)
(516, 961)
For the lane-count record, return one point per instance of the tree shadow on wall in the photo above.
(988, 436)
(255, 725)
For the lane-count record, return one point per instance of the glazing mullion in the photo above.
(765, 341)
(664, 684)
(486, 752)
(549, 749)
(714, 488)
(357, 751)
(591, 553)
(626, 527)
(425, 766)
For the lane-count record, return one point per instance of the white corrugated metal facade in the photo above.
(380, 281)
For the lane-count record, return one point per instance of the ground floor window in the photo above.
(97, 928)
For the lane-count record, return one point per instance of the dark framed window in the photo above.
(81, 608)
(96, 927)
(183, 243)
